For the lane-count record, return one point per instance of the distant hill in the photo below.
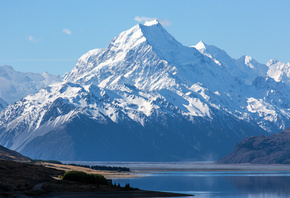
(7, 154)
(274, 149)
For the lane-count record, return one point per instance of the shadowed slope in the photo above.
(274, 149)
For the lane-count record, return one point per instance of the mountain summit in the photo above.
(146, 97)
(146, 44)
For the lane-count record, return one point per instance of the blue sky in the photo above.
(50, 35)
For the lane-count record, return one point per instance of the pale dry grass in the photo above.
(106, 174)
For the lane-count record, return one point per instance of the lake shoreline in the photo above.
(106, 174)
(137, 168)
(127, 194)
(216, 183)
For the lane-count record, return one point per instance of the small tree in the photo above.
(127, 186)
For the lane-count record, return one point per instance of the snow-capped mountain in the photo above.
(279, 71)
(148, 97)
(245, 68)
(15, 85)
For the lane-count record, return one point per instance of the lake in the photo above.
(207, 179)
(238, 184)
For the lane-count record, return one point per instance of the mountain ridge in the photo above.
(15, 85)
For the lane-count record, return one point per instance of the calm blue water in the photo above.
(252, 184)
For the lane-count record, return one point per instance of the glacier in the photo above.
(147, 97)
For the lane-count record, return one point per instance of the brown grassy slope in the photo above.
(106, 174)
(7, 154)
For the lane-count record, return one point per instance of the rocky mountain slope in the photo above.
(148, 97)
(274, 149)
(15, 85)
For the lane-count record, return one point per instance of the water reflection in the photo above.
(217, 184)
(264, 184)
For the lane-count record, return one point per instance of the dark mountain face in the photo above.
(166, 139)
(274, 149)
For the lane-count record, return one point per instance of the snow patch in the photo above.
(150, 23)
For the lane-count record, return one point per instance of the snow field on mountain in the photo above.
(15, 85)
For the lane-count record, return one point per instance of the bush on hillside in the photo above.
(82, 177)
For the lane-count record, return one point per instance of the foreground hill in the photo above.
(146, 97)
(274, 149)
(30, 180)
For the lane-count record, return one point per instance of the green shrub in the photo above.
(83, 177)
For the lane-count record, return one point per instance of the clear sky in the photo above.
(50, 35)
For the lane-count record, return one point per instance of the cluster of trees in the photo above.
(126, 187)
(113, 168)
(49, 161)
